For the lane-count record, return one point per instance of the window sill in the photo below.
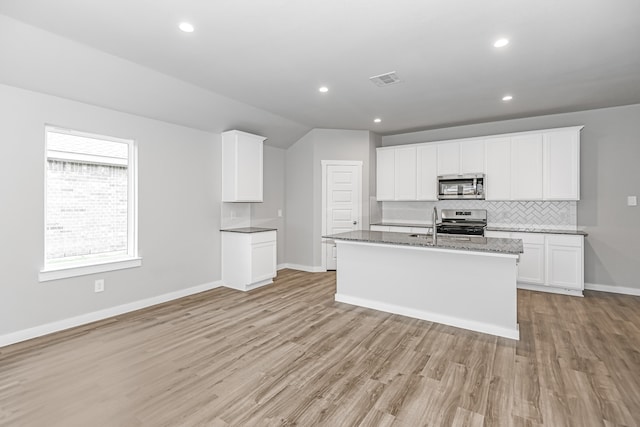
(74, 271)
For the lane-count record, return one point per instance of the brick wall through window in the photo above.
(86, 209)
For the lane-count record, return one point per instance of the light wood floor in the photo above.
(289, 355)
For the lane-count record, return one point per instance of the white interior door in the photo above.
(343, 205)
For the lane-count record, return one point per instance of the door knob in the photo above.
(355, 222)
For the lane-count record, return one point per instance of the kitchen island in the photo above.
(469, 283)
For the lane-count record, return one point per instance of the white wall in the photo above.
(304, 187)
(38, 60)
(609, 159)
(179, 210)
(299, 202)
(265, 214)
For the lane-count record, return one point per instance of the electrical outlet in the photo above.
(98, 285)
(279, 212)
(632, 201)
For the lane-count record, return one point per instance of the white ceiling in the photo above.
(564, 55)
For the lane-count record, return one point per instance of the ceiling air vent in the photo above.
(385, 79)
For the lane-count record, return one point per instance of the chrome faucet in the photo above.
(434, 219)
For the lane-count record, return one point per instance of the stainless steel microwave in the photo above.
(466, 186)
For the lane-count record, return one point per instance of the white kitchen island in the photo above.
(462, 283)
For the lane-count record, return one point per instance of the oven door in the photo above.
(472, 230)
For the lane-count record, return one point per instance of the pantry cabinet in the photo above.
(242, 170)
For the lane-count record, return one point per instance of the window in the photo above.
(90, 204)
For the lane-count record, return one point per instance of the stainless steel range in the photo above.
(467, 222)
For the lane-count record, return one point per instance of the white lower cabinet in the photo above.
(565, 261)
(531, 265)
(248, 259)
(550, 262)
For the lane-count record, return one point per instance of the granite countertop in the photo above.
(475, 243)
(248, 230)
(401, 224)
(537, 230)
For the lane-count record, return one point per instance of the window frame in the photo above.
(98, 265)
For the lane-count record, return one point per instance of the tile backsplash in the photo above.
(549, 215)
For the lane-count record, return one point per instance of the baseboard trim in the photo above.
(550, 289)
(307, 268)
(83, 319)
(612, 289)
(432, 317)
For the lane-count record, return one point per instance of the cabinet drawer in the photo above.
(420, 230)
(565, 240)
(399, 229)
(266, 236)
(529, 238)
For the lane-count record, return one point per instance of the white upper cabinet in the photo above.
(472, 156)
(242, 178)
(539, 165)
(405, 173)
(459, 157)
(526, 167)
(427, 172)
(385, 174)
(561, 165)
(449, 158)
(498, 168)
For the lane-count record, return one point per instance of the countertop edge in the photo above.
(248, 230)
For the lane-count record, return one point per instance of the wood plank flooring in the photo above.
(289, 355)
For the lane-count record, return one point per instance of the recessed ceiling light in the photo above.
(501, 43)
(377, 120)
(507, 98)
(186, 27)
(323, 89)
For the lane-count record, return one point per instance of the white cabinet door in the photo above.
(531, 263)
(526, 167)
(472, 156)
(385, 174)
(405, 173)
(498, 168)
(427, 186)
(248, 260)
(565, 261)
(242, 178)
(263, 261)
(561, 170)
(449, 158)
